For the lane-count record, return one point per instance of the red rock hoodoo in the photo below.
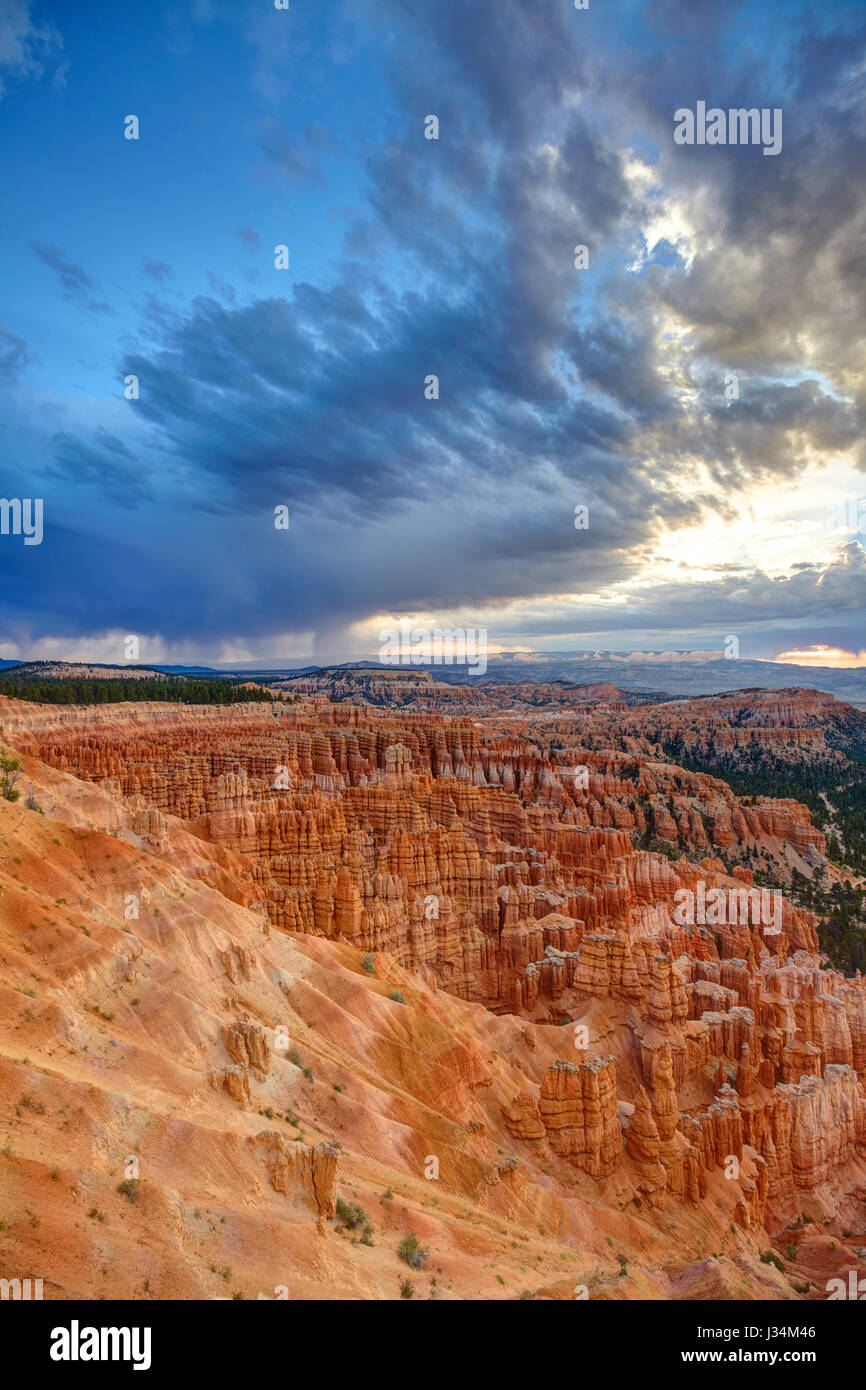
(595, 983)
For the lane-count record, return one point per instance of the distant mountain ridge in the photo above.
(679, 678)
(676, 675)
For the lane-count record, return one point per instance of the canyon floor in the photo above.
(335, 999)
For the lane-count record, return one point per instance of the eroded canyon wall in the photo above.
(507, 862)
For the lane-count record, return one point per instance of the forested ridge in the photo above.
(841, 908)
(111, 690)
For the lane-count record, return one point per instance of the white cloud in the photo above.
(25, 48)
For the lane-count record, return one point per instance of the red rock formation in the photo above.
(644, 1145)
(476, 853)
(307, 1176)
(578, 1109)
(522, 1119)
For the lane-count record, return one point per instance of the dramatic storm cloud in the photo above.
(695, 377)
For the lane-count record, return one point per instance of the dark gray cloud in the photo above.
(157, 270)
(105, 463)
(295, 159)
(557, 386)
(15, 354)
(75, 283)
(74, 280)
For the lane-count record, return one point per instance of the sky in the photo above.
(167, 382)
